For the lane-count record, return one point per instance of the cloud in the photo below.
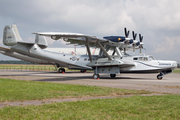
(1, 42)
(157, 21)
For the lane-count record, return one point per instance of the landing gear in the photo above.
(96, 76)
(113, 75)
(83, 71)
(159, 77)
(61, 70)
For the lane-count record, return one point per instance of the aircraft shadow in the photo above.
(72, 75)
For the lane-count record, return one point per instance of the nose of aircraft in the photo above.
(174, 64)
(168, 64)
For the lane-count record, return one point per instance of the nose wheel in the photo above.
(159, 77)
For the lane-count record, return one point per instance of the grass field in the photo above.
(135, 108)
(17, 90)
(176, 71)
(31, 67)
(27, 67)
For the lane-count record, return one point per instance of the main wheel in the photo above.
(60, 70)
(83, 71)
(159, 77)
(96, 76)
(113, 75)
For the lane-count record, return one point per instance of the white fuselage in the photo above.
(139, 64)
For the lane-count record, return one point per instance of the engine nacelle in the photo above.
(55, 37)
(115, 38)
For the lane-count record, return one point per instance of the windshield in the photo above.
(151, 58)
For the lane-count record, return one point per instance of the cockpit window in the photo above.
(141, 58)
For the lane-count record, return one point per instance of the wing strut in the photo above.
(103, 50)
(118, 52)
(88, 49)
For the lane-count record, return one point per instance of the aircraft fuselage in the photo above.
(135, 64)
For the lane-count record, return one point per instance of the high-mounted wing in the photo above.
(79, 39)
(76, 38)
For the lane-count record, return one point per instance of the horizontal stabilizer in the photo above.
(27, 43)
(5, 49)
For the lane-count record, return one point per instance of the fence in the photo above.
(27, 68)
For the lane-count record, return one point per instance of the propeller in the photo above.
(140, 46)
(134, 35)
(135, 42)
(134, 38)
(126, 35)
(140, 37)
(126, 32)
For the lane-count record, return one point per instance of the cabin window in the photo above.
(135, 58)
(85, 59)
(145, 59)
(141, 58)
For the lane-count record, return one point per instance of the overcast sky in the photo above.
(157, 20)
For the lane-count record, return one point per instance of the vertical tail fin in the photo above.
(41, 41)
(11, 35)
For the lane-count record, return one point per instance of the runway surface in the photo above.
(148, 82)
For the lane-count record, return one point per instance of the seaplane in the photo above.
(115, 63)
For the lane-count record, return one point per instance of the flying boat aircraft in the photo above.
(117, 62)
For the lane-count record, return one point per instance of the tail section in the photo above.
(11, 35)
(41, 41)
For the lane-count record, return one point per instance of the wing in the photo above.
(79, 39)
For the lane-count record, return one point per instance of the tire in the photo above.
(159, 77)
(113, 75)
(96, 76)
(83, 71)
(61, 70)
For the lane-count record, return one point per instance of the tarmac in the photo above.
(148, 82)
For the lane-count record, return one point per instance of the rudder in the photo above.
(11, 35)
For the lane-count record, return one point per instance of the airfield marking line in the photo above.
(48, 101)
